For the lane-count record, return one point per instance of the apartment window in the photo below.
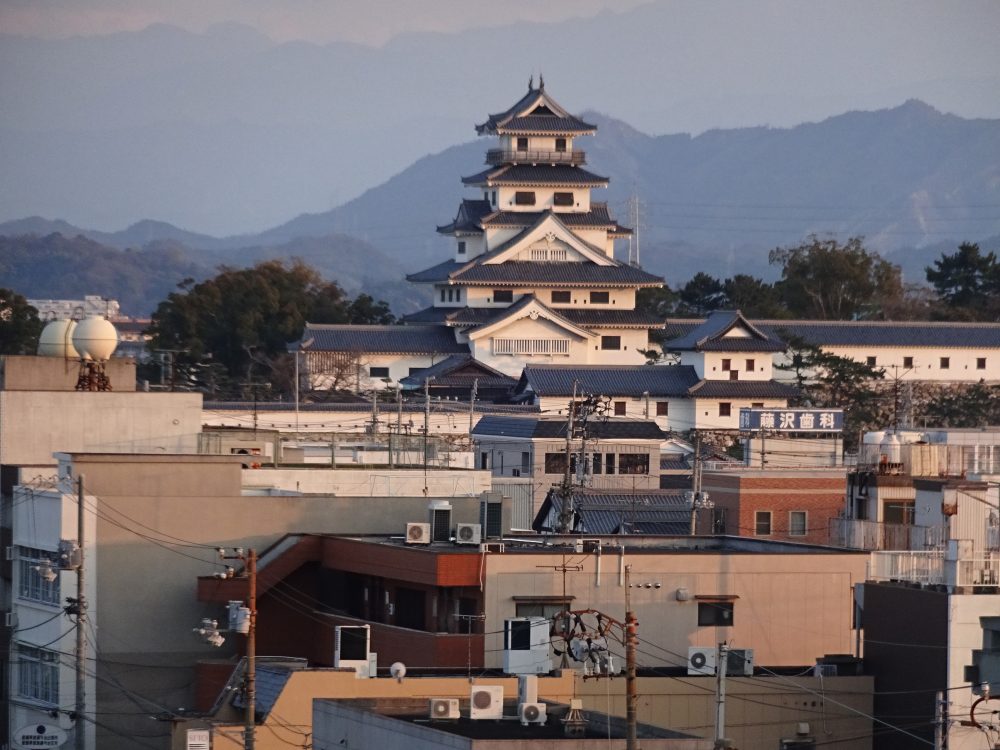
(611, 342)
(980, 363)
(555, 463)
(31, 584)
(609, 463)
(560, 144)
(461, 247)
(750, 365)
(524, 198)
(945, 363)
(715, 613)
(525, 462)
(522, 144)
(38, 674)
(725, 409)
(797, 523)
(503, 295)
(727, 364)
(908, 362)
(597, 463)
(718, 520)
(378, 372)
(762, 523)
(484, 460)
(662, 408)
(619, 408)
(560, 298)
(633, 463)
(871, 361)
(562, 199)
(599, 298)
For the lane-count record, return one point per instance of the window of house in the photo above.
(38, 674)
(908, 362)
(522, 144)
(620, 408)
(727, 365)
(378, 372)
(560, 297)
(461, 247)
(945, 363)
(633, 463)
(599, 298)
(562, 199)
(525, 462)
(980, 363)
(609, 463)
(598, 464)
(555, 463)
(871, 361)
(611, 342)
(750, 365)
(415, 370)
(503, 295)
(560, 144)
(484, 460)
(548, 610)
(762, 523)
(524, 198)
(715, 613)
(30, 583)
(725, 409)
(662, 408)
(797, 523)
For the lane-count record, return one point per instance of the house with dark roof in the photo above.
(601, 512)
(910, 350)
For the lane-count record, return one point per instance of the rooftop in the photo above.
(380, 339)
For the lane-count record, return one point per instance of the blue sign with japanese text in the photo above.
(792, 420)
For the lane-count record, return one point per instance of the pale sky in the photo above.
(371, 22)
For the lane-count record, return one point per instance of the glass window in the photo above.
(611, 342)
(725, 409)
(597, 463)
(38, 673)
(620, 408)
(525, 462)
(633, 463)
(503, 295)
(762, 523)
(524, 198)
(560, 297)
(662, 408)
(555, 463)
(609, 463)
(718, 520)
(945, 363)
(378, 372)
(907, 362)
(461, 247)
(548, 610)
(719, 614)
(562, 199)
(797, 525)
(31, 584)
(599, 298)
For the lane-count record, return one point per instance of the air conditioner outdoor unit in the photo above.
(588, 546)
(468, 533)
(531, 713)
(444, 708)
(418, 533)
(486, 702)
(701, 661)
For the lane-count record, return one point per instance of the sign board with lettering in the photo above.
(792, 420)
(39, 736)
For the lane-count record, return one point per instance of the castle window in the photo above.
(562, 199)
(560, 297)
(503, 295)
(522, 144)
(600, 298)
(750, 365)
(980, 363)
(378, 372)
(725, 409)
(442, 295)
(727, 365)
(908, 363)
(560, 144)
(461, 247)
(611, 342)
(458, 295)
(524, 198)
(662, 408)
(945, 363)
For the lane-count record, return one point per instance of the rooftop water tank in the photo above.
(95, 338)
(57, 340)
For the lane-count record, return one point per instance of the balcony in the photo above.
(854, 533)
(934, 568)
(498, 156)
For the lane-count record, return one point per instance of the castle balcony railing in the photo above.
(497, 156)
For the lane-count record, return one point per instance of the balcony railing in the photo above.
(854, 533)
(496, 156)
(913, 567)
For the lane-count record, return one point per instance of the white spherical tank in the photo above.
(57, 340)
(95, 338)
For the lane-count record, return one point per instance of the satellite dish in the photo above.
(57, 340)
(95, 338)
(398, 670)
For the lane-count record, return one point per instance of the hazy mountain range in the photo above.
(912, 180)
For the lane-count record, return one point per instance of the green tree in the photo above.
(964, 405)
(701, 295)
(967, 281)
(660, 302)
(19, 324)
(753, 297)
(829, 281)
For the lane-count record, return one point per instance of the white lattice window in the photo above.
(547, 253)
(531, 346)
(38, 674)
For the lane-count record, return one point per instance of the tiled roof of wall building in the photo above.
(537, 427)
(468, 218)
(743, 389)
(442, 373)
(711, 335)
(608, 380)
(527, 174)
(391, 339)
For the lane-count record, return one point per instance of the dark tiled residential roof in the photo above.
(394, 339)
(609, 380)
(620, 512)
(710, 335)
(534, 427)
(555, 273)
(743, 389)
(527, 174)
(468, 218)
(445, 373)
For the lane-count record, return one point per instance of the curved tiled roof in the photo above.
(392, 339)
(743, 389)
(556, 273)
(524, 117)
(711, 336)
(626, 380)
(474, 316)
(541, 427)
(528, 174)
(597, 217)
(468, 218)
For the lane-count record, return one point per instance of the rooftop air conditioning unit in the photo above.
(444, 708)
(486, 702)
(418, 533)
(531, 713)
(701, 661)
(468, 533)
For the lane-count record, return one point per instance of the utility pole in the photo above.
(566, 512)
(721, 664)
(427, 426)
(631, 681)
(81, 621)
(939, 720)
(472, 405)
(249, 559)
(696, 483)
